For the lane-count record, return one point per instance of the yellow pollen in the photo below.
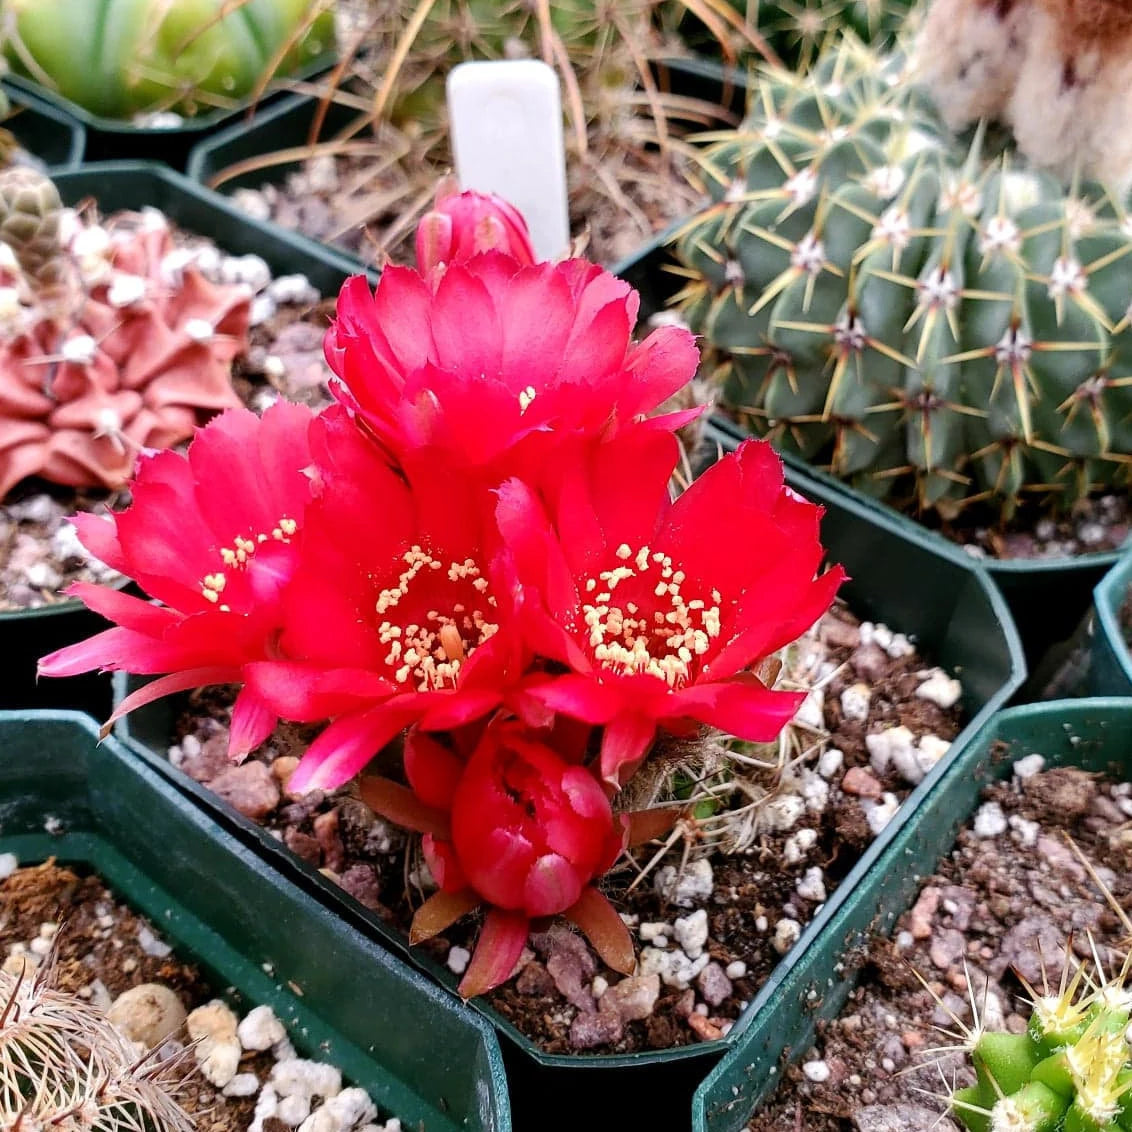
(665, 645)
(526, 397)
(242, 549)
(429, 655)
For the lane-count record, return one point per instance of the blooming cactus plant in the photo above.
(475, 546)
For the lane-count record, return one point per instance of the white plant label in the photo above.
(506, 123)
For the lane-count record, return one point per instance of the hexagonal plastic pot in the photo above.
(344, 999)
(1047, 597)
(115, 139)
(56, 139)
(1110, 658)
(1092, 733)
(934, 592)
(26, 635)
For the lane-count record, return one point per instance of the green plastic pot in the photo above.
(115, 139)
(56, 139)
(26, 635)
(935, 593)
(1110, 661)
(265, 940)
(288, 125)
(1047, 597)
(1093, 733)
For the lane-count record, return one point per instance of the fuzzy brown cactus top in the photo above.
(108, 344)
(1057, 72)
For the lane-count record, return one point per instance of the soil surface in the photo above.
(1004, 903)
(230, 1071)
(724, 898)
(370, 207)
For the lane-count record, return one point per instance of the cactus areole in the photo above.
(120, 58)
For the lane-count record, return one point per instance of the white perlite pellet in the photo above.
(990, 821)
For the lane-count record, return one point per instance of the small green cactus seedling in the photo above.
(63, 1065)
(120, 58)
(1071, 1071)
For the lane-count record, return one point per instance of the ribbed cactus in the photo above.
(63, 1065)
(118, 58)
(1071, 1071)
(922, 321)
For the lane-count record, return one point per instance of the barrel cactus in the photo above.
(912, 314)
(1070, 1071)
(109, 342)
(121, 58)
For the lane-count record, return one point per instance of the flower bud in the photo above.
(461, 225)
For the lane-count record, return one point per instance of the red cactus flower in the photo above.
(212, 535)
(500, 357)
(398, 611)
(461, 225)
(662, 609)
(516, 827)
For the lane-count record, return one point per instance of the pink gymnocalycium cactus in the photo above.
(464, 224)
(113, 356)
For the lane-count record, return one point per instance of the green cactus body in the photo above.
(117, 58)
(927, 324)
(1081, 1085)
(796, 30)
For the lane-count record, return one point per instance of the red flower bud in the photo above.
(530, 830)
(462, 225)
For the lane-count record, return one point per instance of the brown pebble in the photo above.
(704, 1028)
(923, 912)
(283, 767)
(595, 1029)
(860, 783)
(302, 845)
(326, 833)
(249, 788)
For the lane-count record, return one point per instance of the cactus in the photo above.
(922, 321)
(63, 1065)
(107, 345)
(795, 31)
(1071, 1071)
(119, 58)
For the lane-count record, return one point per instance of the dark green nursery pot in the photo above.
(1093, 733)
(118, 139)
(1047, 596)
(26, 635)
(57, 140)
(1110, 660)
(934, 593)
(261, 938)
